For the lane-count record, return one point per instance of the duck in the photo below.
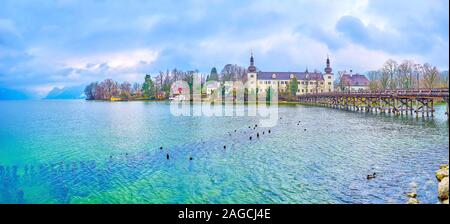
(371, 176)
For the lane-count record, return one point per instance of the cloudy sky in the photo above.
(56, 43)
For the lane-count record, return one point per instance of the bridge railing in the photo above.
(435, 92)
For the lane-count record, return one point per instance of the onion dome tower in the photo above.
(328, 69)
(252, 67)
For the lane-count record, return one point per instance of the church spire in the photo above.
(328, 69)
(252, 67)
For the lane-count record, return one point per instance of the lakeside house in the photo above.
(308, 82)
(354, 83)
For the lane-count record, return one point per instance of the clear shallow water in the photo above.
(100, 152)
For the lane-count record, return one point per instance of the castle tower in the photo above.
(252, 76)
(328, 77)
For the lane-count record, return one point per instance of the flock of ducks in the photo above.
(258, 135)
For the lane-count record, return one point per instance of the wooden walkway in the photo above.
(407, 101)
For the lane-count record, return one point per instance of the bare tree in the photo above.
(430, 75)
(125, 90)
(341, 81)
(405, 71)
(418, 73)
(389, 71)
(137, 89)
(374, 82)
(444, 79)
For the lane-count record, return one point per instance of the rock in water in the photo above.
(412, 195)
(443, 189)
(413, 201)
(442, 177)
(442, 173)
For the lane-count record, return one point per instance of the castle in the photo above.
(308, 82)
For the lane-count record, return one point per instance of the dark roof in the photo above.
(355, 80)
(287, 75)
(251, 68)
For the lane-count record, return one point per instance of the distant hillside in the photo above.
(10, 94)
(66, 93)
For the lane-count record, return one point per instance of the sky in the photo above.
(59, 43)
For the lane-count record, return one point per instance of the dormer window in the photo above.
(274, 76)
(292, 76)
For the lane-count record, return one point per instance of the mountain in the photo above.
(66, 93)
(10, 94)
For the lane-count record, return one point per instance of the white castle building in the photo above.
(308, 82)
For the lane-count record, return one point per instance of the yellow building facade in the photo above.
(308, 82)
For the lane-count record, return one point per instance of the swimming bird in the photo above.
(269, 132)
(369, 177)
(235, 130)
(305, 129)
(250, 138)
(257, 135)
(190, 158)
(224, 147)
(167, 156)
(263, 133)
(161, 148)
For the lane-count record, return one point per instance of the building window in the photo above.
(303, 83)
(329, 83)
(329, 77)
(321, 83)
(260, 82)
(303, 90)
(251, 76)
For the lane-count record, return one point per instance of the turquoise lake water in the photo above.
(101, 152)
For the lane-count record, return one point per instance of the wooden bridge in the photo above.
(403, 101)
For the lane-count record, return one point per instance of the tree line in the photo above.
(159, 87)
(407, 75)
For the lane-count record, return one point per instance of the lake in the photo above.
(103, 152)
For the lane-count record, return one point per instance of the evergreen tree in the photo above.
(293, 86)
(214, 76)
(148, 88)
